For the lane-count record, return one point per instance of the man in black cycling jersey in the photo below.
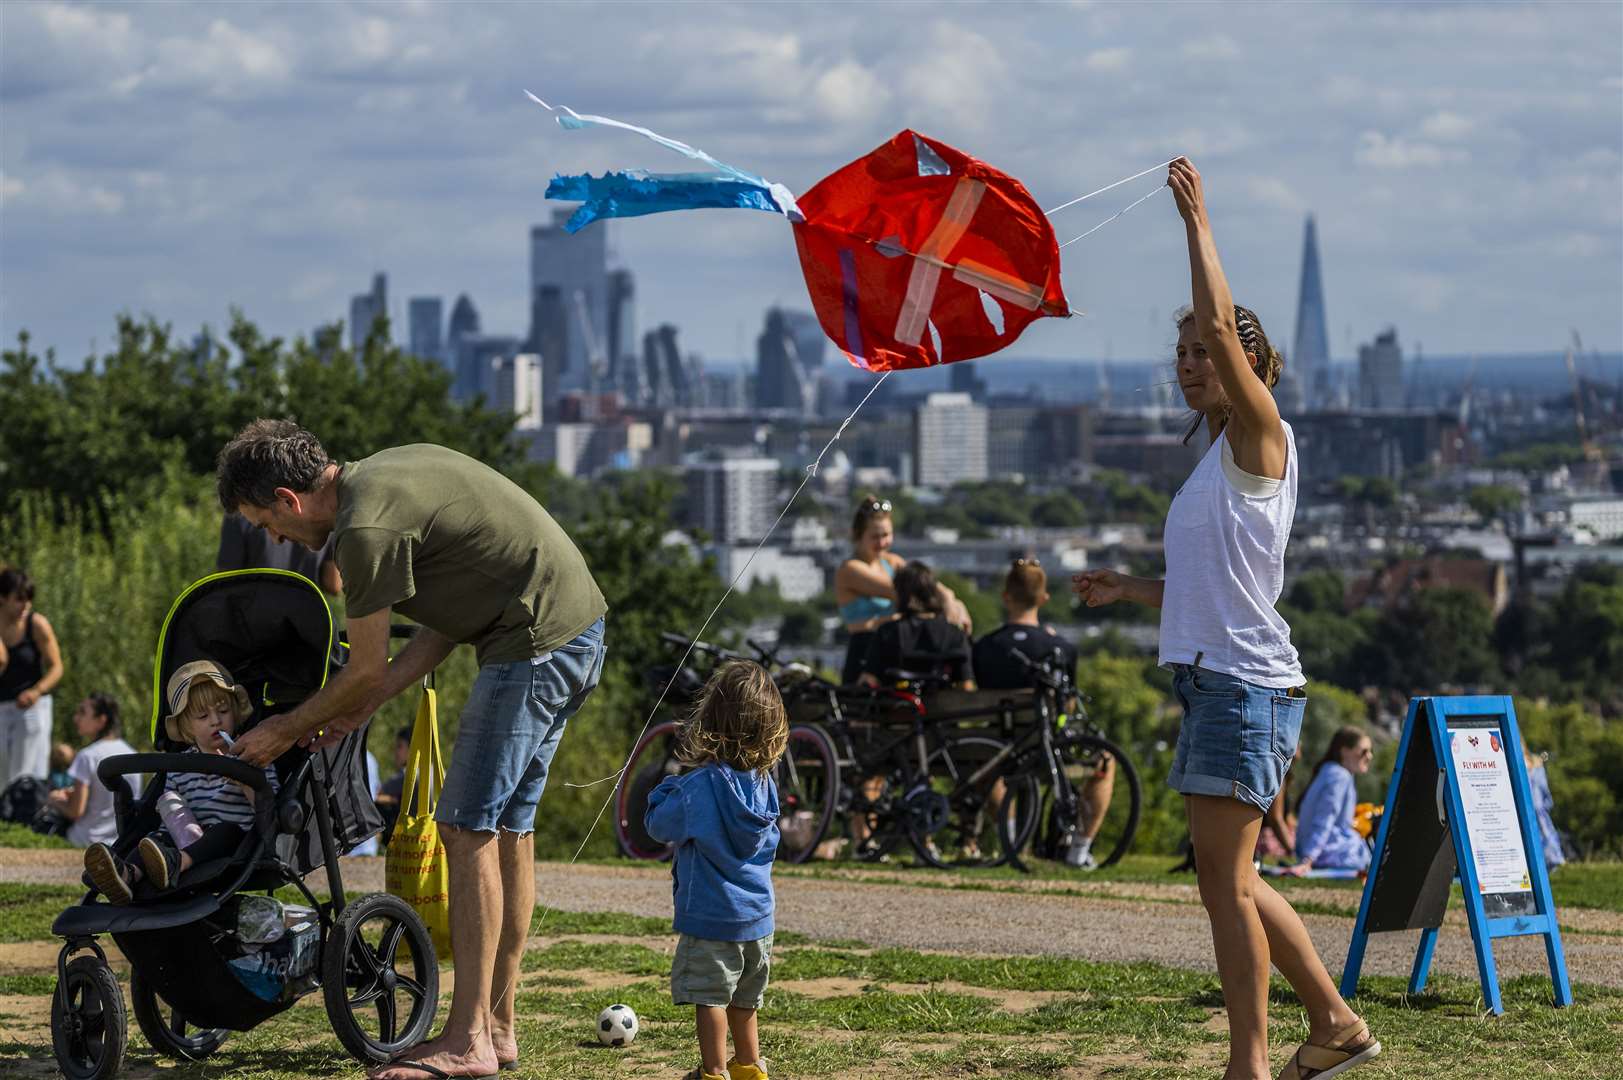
(1025, 590)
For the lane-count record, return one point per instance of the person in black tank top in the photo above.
(30, 667)
(1025, 591)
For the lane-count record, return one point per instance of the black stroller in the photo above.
(209, 957)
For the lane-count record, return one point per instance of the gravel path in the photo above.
(1095, 921)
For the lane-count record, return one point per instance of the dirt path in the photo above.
(1126, 921)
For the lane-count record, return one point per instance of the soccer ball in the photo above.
(616, 1025)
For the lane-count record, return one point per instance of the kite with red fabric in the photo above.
(915, 255)
(918, 254)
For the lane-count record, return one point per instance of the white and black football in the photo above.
(616, 1025)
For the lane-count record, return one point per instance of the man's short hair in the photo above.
(264, 456)
(1026, 584)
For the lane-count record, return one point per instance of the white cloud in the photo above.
(1428, 292)
(1218, 46)
(1447, 126)
(1380, 151)
(956, 71)
(1109, 61)
(848, 90)
(10, 187)
(1272, 191)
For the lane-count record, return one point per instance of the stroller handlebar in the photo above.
(112, 771)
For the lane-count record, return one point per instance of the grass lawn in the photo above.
(848, 1011)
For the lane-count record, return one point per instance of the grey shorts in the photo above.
(720, 973)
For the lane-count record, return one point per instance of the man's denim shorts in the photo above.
(1237, 739)
(720, 973)
(511, 725)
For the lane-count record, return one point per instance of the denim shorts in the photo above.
(511, 725)
(1237, 739)
(720, 973)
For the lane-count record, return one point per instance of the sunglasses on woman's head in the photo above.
(882, 505)
(1027, 562)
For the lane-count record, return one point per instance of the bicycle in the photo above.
(1069, 757)
(807, 775)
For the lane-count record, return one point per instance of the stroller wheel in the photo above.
(88, 1025)
(379, 977)
(166, 1029)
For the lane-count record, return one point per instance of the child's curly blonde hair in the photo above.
(739, 720)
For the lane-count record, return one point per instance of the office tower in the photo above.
(620, 349)
(663, 368)
(732, 499)
(576, 264)
(1380, 373)
(513, 384)
(464, 324)
(1309, 358)
(550, 333)
(962, 379)
(476, 359)
(367, 308)
(949, 440)
(788, 354)
(425, 319)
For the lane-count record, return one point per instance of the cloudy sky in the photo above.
(1463, 160)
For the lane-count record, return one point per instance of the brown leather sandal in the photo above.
(1351, 1047)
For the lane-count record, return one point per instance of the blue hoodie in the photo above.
(725, 825)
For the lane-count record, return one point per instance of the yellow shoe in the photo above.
(700, 1074)
(757, 1071)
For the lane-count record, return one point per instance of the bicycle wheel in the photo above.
(808, 778)
(653, 759)
(953, 815)
(1107, 791)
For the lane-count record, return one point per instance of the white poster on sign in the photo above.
(1491, 822)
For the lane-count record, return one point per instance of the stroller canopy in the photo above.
(270, 628)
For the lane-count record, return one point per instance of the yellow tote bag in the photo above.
(415, 868)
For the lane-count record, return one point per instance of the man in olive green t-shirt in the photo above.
(470, 556)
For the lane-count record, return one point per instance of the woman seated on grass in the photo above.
(1325, 836)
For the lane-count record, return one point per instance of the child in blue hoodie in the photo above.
(723, 818)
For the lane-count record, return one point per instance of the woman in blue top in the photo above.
(864, 585)
(1325, 837)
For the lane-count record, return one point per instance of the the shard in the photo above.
(1310, 357)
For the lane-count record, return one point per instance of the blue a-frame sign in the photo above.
(1449, 807)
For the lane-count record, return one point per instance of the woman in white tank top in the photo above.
(1235, 671)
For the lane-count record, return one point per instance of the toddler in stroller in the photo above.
(208, 957)
(205, 815)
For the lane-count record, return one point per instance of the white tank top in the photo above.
(1225, 543)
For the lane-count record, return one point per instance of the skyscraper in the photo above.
(1310, 356)
(425, 316)
(464, 324)
(1380, 373)
(620, 349)
(576, 264)
(949, 440)
(731, 499)
(788, 354)
(962, 379)
(367, 308)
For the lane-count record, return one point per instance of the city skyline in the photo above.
(179, 160)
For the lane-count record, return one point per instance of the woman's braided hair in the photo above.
(1270, 364)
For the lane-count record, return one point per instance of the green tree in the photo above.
(1059, 510)
(1318, 591)
(107, 428)
(1492, 501)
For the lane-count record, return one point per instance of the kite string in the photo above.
(811, 471)
(1112, 217)
(1107, 187)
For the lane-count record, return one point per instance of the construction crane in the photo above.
(596, 363)
(1591, 450)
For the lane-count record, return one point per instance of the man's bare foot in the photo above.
(448, 1055)
(506, 1045)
